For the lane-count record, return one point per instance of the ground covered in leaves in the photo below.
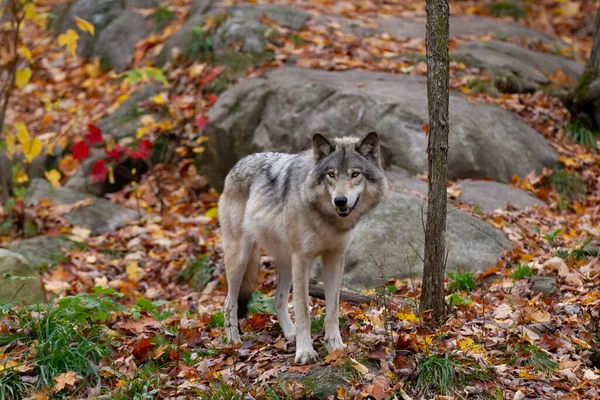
(127, 321)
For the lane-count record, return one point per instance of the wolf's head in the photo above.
(347, 178)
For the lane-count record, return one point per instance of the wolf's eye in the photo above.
(331, 174)
(355, 174)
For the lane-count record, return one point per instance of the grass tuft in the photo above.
(567, 184)
(523, 271)
(436, 375)
(461, 281)
(583, 135)
(507, 9)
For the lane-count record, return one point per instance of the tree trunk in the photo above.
(432, 297)
(586, 98)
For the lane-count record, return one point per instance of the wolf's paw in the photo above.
(233, 336)
(308, 356)
(334, 342)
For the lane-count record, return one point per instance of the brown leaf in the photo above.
(142, 348)
(64, 380)
(334, 356)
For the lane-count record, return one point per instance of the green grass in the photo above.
(197, 273)
(567, 184)
(583, 135)
(220, 391)
(317, 324)
(259, 304)
(436, 375)
(217, 320)
(11, 387)
(145, 385)
(523, 271)
(536, 358)
(62, 336)
(161, 18)
(461, 281)
(507, 9)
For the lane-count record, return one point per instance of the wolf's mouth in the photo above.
(346, 211)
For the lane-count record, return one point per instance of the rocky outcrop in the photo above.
(281, 111)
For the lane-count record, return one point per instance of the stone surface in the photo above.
(492, 195)
(98, 12)
(247, 33)
(544, 284)
(43, 251)
(141, 3)
(281, 111)
(383, 242)
(124, 121)
(289, 17)
(99, 216)
(533, 66)
(28, 289)
(116, 42)
(459, 26)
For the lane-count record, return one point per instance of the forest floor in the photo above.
(127, 322)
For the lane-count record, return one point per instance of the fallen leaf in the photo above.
(53, 177)
(22, 77)
(64, 380)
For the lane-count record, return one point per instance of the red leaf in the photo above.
(201, 121)
(116, 153)
(212, 99)
(425, 128)
(211, 75)
(142, 348)
(94, 134)
(99, 171)
(143, 151)
(80, 150)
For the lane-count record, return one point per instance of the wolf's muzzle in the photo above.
(346, 211)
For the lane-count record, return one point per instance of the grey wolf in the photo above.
(298, 208)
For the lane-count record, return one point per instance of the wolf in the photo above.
(298, 208)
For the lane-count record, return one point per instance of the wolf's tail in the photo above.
(249, 282)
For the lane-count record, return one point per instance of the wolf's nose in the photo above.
(340, 201)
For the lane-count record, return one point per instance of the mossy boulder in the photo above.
(18, 279)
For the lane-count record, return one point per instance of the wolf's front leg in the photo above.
(333, 269)
(301, 266)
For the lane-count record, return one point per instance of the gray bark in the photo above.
(432, 296)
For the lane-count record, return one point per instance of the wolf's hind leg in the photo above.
(284, 283)
(333, 269)
(238, 256)
(301, 266)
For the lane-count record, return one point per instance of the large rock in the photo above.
(281, 111)
(242, 28)
(288, 17)
(21, 282)
(384, 243)
(533, 66)
(125, 120)
(99, 215)
(98, 12)
(467, 25)
(44, 251)
(490, 196)
(116, 42)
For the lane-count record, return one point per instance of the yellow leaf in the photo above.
(141, 131)
(69, 39)
(212, 213)
(407, 317)
(85, 26)
(80, 234)
(22, 133)
(33, 150)
(20, 176)
(133, 270)
(53, 177)
(359, 367)
(469, 346)
(11, 145)
(22, 77)
(30, 12)
(25, 52)
(111, 175)
(158, 99)
(65, 380)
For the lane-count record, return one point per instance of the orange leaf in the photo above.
(426, 128)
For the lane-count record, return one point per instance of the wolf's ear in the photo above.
(321, 146)
(369, 147)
